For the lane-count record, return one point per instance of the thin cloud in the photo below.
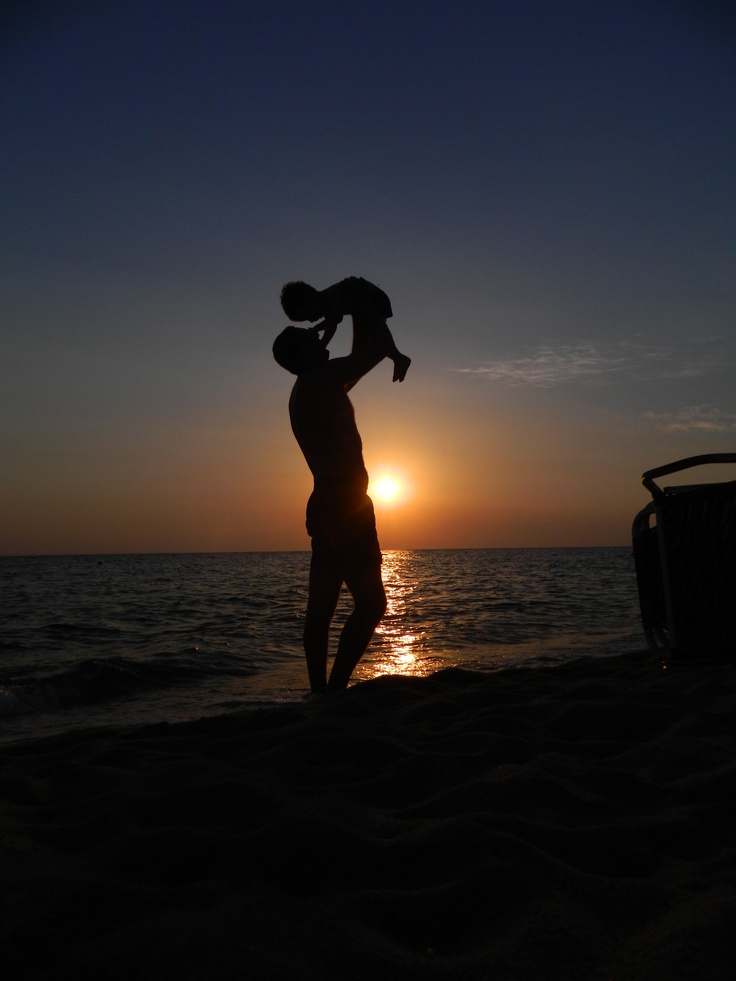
(548, 366)
(695, 418)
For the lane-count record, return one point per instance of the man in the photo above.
(340, 517)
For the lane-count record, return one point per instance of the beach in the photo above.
(572, 821)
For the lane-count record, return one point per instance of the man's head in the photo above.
(300, 301)
(298, 349)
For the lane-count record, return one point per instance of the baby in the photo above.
(352, 296)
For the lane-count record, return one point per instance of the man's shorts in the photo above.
(343, 533)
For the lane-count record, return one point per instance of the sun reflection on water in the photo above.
(396, 649)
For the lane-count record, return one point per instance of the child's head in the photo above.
(297, 349)
(301, 302)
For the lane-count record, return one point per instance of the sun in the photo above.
(386, 489)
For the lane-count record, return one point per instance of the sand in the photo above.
(574, 821)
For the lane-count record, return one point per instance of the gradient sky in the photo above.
(545, 190)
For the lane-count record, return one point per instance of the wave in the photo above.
(90, 681)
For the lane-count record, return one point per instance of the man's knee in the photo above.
(371, 603)
(377, 611)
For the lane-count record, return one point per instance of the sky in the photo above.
(545, 191)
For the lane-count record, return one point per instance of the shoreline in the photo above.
(570, 821)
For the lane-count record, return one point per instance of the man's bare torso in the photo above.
(323, 421)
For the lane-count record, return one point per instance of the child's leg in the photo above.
(373, 325)
(401, 365)
(401, 361)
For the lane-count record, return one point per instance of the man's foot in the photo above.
(401, 366)
(311, 696)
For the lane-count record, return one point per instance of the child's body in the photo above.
(352, 296)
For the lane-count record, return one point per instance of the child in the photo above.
(347, 298)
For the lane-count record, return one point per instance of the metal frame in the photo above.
(685, 555)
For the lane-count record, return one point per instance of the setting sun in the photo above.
(386, 489)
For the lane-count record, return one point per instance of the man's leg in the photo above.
(324, 592)
(366, 586)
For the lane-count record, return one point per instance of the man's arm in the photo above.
(370, 330)
(368, 307)
(374, 308)
(359, 299)
(370, 347)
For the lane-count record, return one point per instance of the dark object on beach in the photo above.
(685, 553)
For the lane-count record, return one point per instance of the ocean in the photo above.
(96, 641)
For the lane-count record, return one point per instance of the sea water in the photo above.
(93, 641)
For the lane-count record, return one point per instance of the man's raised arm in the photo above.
(371, 344)
(370, 329)
(372, 325)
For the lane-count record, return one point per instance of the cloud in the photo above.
(549, 366)
(695, 418)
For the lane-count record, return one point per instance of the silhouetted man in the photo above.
(340, 517)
